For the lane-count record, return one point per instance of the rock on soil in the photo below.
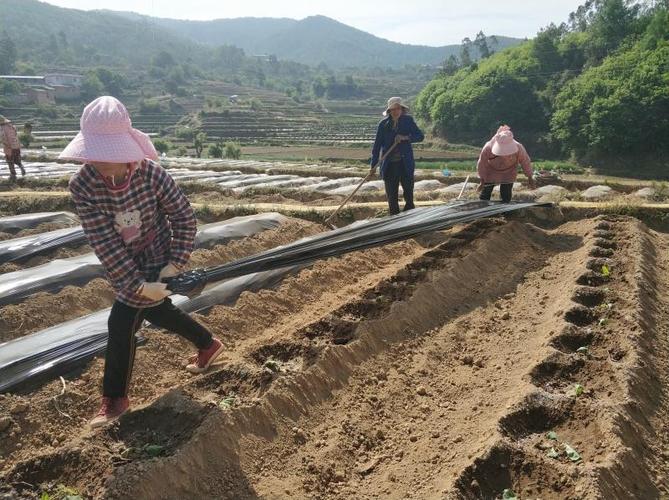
(597, 193)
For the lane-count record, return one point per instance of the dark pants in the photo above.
(504, 191)
(394, 175)
(124, 321)
(14, 158)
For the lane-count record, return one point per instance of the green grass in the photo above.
(561, 167)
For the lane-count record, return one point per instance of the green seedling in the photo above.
(578, 390)
(272, 364)
(552, 453)
(572, 454)
(606, 272)
(582, 350)
(227, 403)
(62, 492)
(552, 435)
(508, 494)
(153, 450)
(602, 321)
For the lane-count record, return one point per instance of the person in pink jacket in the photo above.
(11, 147)
(498, 164)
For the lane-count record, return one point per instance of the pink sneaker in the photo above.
(111, 409)
(205, 357)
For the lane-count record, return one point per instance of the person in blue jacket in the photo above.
(398, 166)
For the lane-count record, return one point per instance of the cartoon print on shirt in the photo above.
(127, 224)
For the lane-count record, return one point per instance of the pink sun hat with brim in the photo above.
(107, 135)
(503, 143)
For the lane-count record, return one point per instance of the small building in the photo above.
(66, 92)
(41, 94)
(46, 89)
(63, 79)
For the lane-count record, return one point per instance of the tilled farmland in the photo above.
(497, 356)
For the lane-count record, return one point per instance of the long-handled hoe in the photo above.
(366, 178)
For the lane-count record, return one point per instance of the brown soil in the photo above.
(43, 310)
(431, 369)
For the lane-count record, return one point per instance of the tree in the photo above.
(198, 143)
(91, 87)
(113, 83)
(215, 150)
(481, 43)
(163, 59)
(615, 109)
(611, 23)
(7, 54)
(450, 66)
(466, 52)
(62, 37)
(318, 87)
(229, 57)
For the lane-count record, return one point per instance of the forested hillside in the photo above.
(595, 87)
(314, 40)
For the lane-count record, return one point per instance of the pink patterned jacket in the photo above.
(502, 169)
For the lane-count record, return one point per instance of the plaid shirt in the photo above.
(136, 231)
(9, 137)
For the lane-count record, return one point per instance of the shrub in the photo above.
(25, 139)
(233, 150)
(161, 145)
(216, 151)
(185, 133)
(255, 104)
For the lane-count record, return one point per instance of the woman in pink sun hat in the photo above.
(498, 164)
(142, 228)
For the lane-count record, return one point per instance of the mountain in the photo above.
(313, 40)
(44, 34)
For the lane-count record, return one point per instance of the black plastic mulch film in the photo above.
(357, 236)
(15, 223)
(35, 358)
(79, 270)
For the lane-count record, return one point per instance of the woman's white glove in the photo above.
(153, 291)
(169, 271)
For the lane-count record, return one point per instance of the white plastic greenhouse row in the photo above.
(238, 181)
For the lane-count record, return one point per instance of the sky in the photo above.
(424, 22)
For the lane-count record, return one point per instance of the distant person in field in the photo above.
(398, 166)
(142, 228)
(11, 147)
(498, 164)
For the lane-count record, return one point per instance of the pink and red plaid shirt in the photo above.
(10, 140)
(135, 231)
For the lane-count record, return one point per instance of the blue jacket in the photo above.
(385, 137)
